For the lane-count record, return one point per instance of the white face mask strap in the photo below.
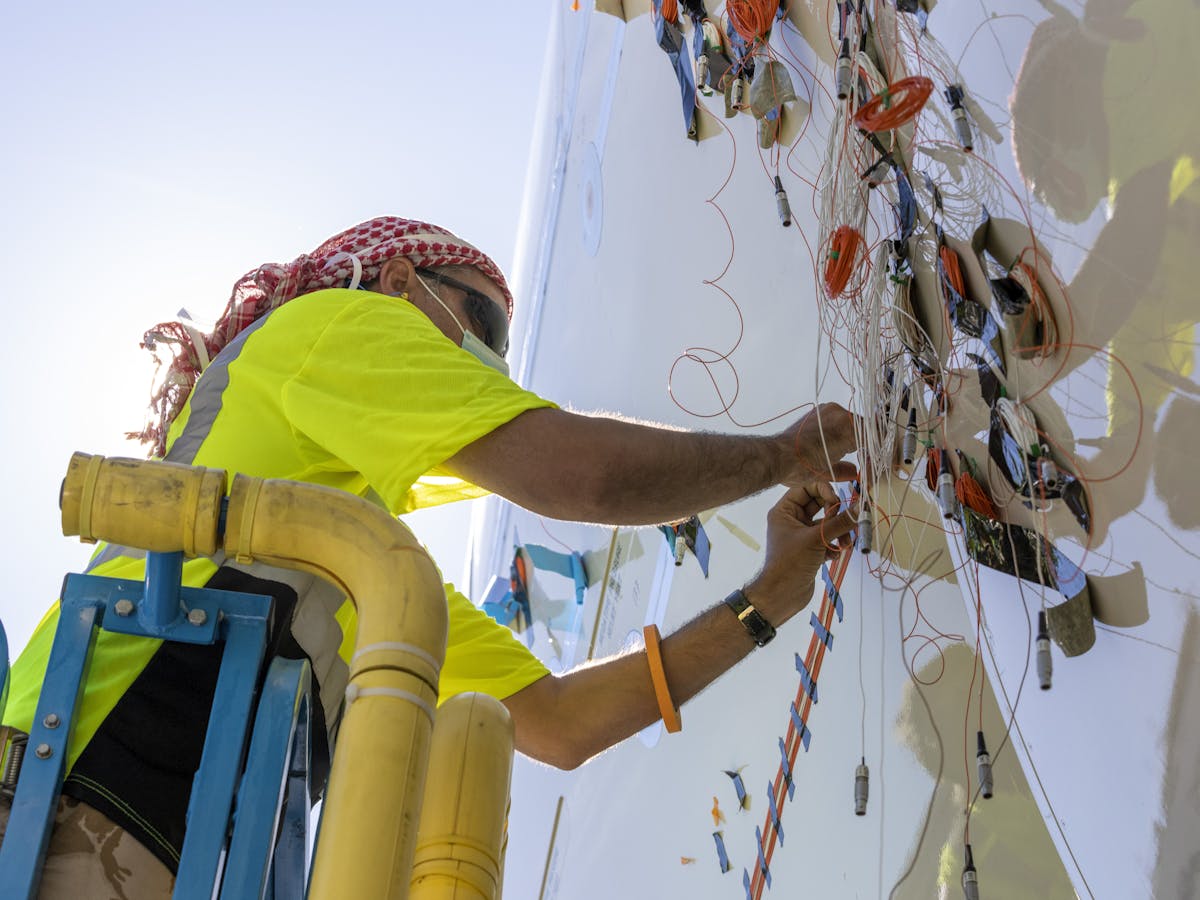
(355, 263)
(441, 303)
(195, 336)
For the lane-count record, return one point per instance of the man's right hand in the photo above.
(804, 530)
(819, 440)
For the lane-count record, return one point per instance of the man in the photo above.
(347, 368)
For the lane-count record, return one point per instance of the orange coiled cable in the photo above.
(951, 268)
(844, 248)
(895, 105)
(972, 495)
(752, 19)
(933, 467)
(670, 11)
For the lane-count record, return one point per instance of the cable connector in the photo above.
(1047, 472)
(962, 127)
(945, 489)
(908, 447)
(702, 75)
(970, 878)
(861, 787)
(984, 763)
(866, 528)
(781, 204)
(1045, 665)
(737, 92)
(841, 71)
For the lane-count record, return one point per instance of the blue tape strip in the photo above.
(822, 632)
(801, 727)
(722, 856)
(787, 771)
(740, 787)
(806, 679)
(746, 884)
(774, 812)
(832, 591)
(762, 859)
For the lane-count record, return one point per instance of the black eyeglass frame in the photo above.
(485, 313)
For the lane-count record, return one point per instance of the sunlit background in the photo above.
(153, 153)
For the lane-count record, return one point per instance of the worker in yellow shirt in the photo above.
(375, 365)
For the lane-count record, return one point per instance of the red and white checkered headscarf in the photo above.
(271, 285)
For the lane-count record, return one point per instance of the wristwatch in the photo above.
(759, 628)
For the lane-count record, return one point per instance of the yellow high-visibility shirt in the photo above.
(352, 390)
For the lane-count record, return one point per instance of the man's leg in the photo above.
(92, 858)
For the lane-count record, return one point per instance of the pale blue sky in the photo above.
(155, 152)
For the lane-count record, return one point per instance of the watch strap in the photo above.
(752, 620)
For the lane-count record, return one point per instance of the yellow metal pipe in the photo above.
(369, 822)
(156, 506)
(460, 847)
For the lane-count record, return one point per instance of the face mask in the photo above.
(470, 342)
(483, 352)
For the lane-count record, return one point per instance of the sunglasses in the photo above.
(485, 313)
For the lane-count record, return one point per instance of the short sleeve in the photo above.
(383, 392)
(482, 655)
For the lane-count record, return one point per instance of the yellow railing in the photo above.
(372, 823)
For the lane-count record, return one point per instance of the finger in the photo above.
(803, 502)
(835, 527)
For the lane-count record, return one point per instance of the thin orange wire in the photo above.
(895, 105)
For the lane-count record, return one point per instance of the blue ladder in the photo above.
(255, 817)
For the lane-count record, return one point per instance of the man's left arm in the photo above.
(566, 720)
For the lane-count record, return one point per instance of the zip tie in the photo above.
(413, 649)
(354, 692)
(786, 768)
(722, 856)
(806, 679)
(774, 810)
(822, 632)
(801, 727)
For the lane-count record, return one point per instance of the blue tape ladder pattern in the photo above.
(806, 679)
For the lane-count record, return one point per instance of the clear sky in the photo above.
(152, 153)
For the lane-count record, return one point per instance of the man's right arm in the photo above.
(597, 469)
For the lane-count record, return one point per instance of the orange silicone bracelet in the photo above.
(662, 693)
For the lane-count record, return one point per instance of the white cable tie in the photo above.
(354, 692)
(400, 646)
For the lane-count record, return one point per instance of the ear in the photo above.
(396, 276)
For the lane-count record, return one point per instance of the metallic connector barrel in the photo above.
(983, 761)
(946, 496)
(781, 204)
(861, 788)
(962, 128)
(1045, 664)
(866, 529)
(842, 73)
(908, 447)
